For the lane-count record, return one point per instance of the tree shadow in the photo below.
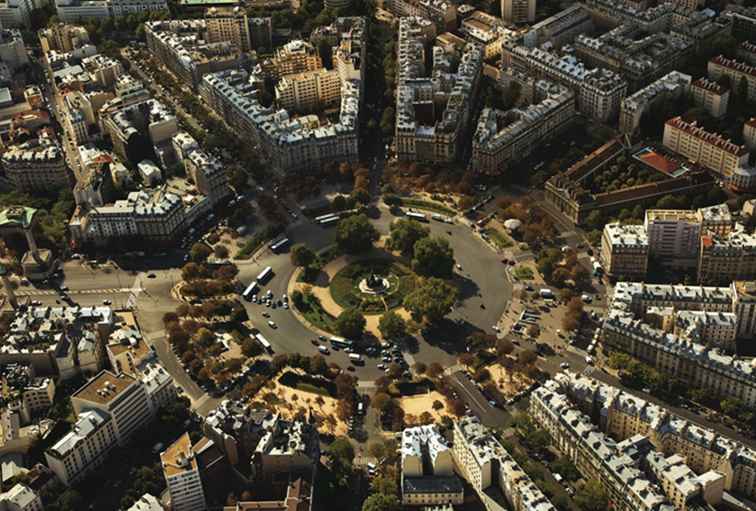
(467, 287)
(448, 335)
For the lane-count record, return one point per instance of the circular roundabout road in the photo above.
(484, 294)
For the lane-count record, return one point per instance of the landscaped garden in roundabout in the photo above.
(391, 281)
(405, 278)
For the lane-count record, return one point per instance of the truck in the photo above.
(546, 293)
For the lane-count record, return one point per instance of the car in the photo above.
(151, 275)
(459, 267)
(64, 288)
(107, 302)
(272, 324)
(492, 403)
(265, 315)
(589, 360)
(36, 303)
(564, 365)
(350, 369)
(381, 366)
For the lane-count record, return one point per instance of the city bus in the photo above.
(264, 342)
(265, 275)
(279, 245)
(329, 220)
(414, 215)
(340, 342)
(251, 289)
(320, 218)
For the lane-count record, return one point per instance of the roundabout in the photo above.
(372, 286)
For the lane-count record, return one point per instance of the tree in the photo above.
(420, 367)
(387, 120)
(504, 347)
(405, 233)
(534, 331)
(381, 502)
(431, 300)
(301, 255)
(433, 257)
(392, 326)
(251, 348)
(191, 271)
(384, 484)
(356, 234)
(527, 357)
(351, 323)
(199, 252)
(591, 497)
(341, 455)
(434, 370)
(381, 401)
(220, 251)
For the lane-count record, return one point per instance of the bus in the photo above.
(328, 216)
(279, 245)
(414, 215)
(247, 294)
(265, 275)
(340, 342)
(329, 220)
(265, 344)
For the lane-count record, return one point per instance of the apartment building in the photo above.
(480, 458)
(723, 259)
(309, 91)
(712, 151)
(746, 52)
(671, 86)
(489, 31)
(599, 91)
(33, 395)
(716, 462)
(503, 137)
(147, 502)
(122, 397)
(294, 57)
(422, 132)
(104, 71)
(63, 37)
(596, 455)
(679, 357)
(76, 11)
(12, 48)
(637, 56)
(442, 13)
(182, 46)
(427, 469)
(742, 19)
(182, 476)
(624, 251)
(559, 29)
(711, 96)
(674, 236)
(749, 133)
(132, 127)
(20, 498)
(84, 448)
(228, 24)
(261, 34)
(297, 144)
(36, 165)
(518, 11)
(735, 70)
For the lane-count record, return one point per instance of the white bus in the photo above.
(355, 357)
(279, 245)
(247, 294)
(340, 342)
(265, 344)
(265, 275)
(414, 215)
(328, 221)
(320, 218)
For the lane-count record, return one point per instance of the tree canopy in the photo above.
(356, 234)
(351, 323)
(431, 300)
(392, 326)
(433, 257)
(405, 233)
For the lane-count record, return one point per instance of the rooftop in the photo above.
(104, 387)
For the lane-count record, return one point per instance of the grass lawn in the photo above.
(523, 273)
(431, 206)
(345, 290)
(498, 238)
(313, 311)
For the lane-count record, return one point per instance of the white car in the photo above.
(272, 324)
(564, 365)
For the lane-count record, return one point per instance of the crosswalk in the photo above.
(53, 292)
